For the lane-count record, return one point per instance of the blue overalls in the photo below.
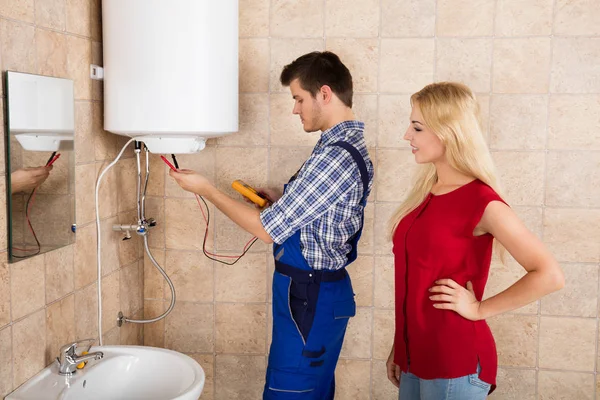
(311, 309)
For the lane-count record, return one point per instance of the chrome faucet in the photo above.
(68, 358)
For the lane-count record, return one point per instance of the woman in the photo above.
(442, 238)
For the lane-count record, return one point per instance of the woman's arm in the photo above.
(544, 275)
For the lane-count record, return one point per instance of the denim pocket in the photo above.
(475, 381)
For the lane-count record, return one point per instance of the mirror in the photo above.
(40, 157)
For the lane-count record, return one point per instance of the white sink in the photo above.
(125, 372)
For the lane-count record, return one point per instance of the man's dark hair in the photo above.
(313, 70)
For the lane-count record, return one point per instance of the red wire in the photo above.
(28, 220)
(206, 233)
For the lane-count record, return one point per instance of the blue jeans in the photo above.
(468, 387)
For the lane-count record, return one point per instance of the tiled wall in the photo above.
(49, 300)
(534, 65)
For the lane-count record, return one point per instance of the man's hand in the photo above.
(26, 179)
(191, 181)
(271, 195)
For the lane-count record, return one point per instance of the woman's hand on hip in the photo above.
(393, 371)
(449, 295)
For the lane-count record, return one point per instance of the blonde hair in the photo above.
(451, 111)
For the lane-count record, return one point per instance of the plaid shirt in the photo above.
(324, 199)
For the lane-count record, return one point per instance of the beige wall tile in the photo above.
(254, 18)
(110, 241)
(365, 245)
(85, 268)
(239, 377)
(129, 250)
(4, 292)
(518, 122)
(51, 51)
(253, 122)
(182, 231)
(243, 282)
(573, 122)
(86, 312)
(465, 17)
(520, 176)
(348, 18)
(286, 128)
(59, 273)
(154, 334)
(156, 183)
(108, 191)
(85, 150)
(406, 65)
(79, 58)
(155, 208)
(361, 273)
(96, 19)
(85, 184)
(110, 301)
(253, 172)
(154, 282)
(302, 18)
(240, 328)
(131, 334)
(127, 184)
(575, 18)
(112, 337)
(394, 116)
(51, 14)
(233, 239)
(79, 17)
(572, 179)
(395, 171)
(357, 341)
(576, 353)
(189, 328)
(513, 70)
(192, 275)
(408, 18)
(60, 326)
(566, 385)
(97, 59)
(352, 379)
(17, 42)
(284, 52)
(23, 10)
(254, 65)
(207, 362)
(515, 384)
(516, 339)
(29, 344)
(284, 162)
(465, 60)
(574, 65)
(571, 234)
(381, 387)
(517, 18)
(105, 143)
(361, 56)
(130, 290)
(579, 297)
(27, 286)
(383, 333)
(365, 110)
(6, 379)
(383, 214)
(384, 282)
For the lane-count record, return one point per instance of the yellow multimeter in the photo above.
(249, 193)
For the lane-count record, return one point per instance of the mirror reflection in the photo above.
(41, 160)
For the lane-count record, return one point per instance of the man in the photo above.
(315, 227)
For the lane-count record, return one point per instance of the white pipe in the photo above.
(98, 244)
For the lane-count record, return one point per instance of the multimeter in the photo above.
(249, 193)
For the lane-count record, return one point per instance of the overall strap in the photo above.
(360, 161)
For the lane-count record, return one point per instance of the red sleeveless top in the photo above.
(435, 241)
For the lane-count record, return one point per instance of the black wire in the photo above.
(204, 241)
(175, 161)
